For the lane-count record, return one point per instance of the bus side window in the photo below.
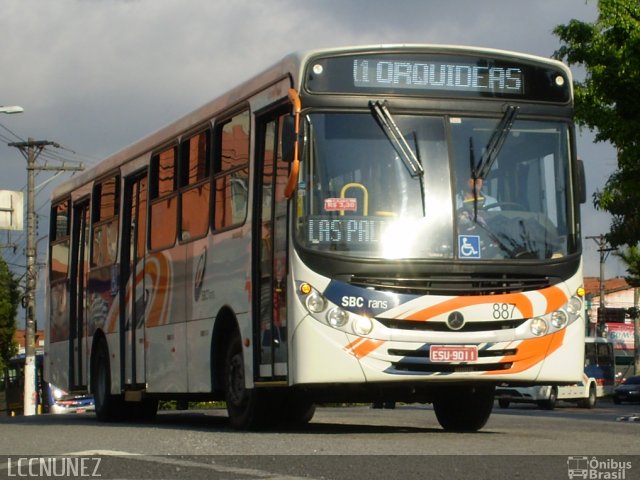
(589, 354)
(164, 200)
(105, 222)
(195, 186)
(231, 170)
(59, 239)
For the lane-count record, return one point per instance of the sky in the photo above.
(96, 75)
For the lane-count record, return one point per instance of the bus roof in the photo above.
(291, 66)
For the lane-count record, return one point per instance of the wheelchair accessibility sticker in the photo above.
(469, 246)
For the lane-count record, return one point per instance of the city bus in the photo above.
(49, 398)
(598, 380)
(308, 237)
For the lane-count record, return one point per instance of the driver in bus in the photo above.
(466, 197)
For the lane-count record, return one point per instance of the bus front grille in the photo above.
(449, 368)
(434, 326)
(453, 285)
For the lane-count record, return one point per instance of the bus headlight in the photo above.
(315, 302)
(539, 326)
(58, 393)
(337, 317)
(362, 325)
(323, 310)
(559, 319)
(574, 306)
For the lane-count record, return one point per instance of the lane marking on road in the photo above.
(176, 462)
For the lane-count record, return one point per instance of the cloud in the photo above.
(97, 75)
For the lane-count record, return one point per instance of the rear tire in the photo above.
(463, 408)
(504, 403)
(108, 407)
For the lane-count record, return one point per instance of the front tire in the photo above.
(244, 407)
(550, 403)
(592, 399)
(463, 408)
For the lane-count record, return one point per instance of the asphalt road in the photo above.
(351, 442)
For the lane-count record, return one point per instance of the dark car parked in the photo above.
(628, 391)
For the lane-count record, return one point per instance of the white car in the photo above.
(585, 393)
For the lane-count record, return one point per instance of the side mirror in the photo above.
(294, 145)
(289, 137)
(582, 183)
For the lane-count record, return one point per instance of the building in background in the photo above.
(19, 338)
(615, 321)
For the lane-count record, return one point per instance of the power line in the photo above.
(31, 150)
(11, 132)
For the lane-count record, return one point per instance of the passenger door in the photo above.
(270, 250)
(132, 288)
(79, 274)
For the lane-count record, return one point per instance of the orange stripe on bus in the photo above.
(158, 270)
(362, 347)
(556, 297)
(518, 299)
(531, 352)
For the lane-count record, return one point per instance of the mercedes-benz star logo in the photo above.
(455, 321)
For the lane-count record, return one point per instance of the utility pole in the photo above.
(604, 253)
(636, 331)
(31, 150)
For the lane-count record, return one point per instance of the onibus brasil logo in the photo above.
(595, 468)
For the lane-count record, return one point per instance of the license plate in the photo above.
(453, 353)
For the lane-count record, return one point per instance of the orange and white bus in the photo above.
(395, 223)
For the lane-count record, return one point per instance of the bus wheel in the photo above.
(549, 403)
(107, 405)
(243, 404)
(591, 400)
(464, 408)
(504, 403)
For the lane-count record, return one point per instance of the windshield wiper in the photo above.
(405, 152)
(491, 151)
(495, 144)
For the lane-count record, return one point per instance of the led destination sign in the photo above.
(375, 73)
(351, 230)
(438, 75)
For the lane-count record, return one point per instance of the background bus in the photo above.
(12, 387)
(51, 399)
(597, 381)
(319, 234)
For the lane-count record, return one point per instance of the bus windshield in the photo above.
(361, 195)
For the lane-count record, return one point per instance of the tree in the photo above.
(631, 258)
(607, 103)
(9, 298)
